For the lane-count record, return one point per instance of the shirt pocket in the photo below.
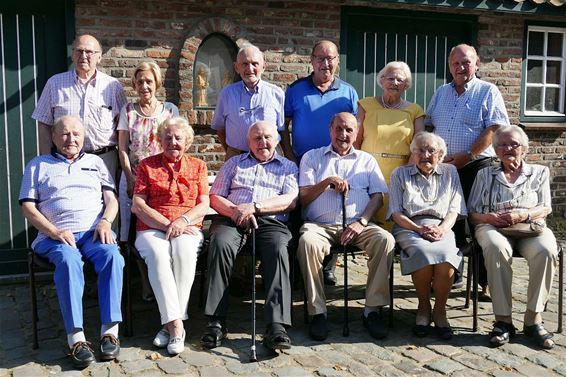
(472, 118)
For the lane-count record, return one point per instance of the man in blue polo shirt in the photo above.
(243, 103)
(312, 101)
(70, 198)
(310, 104)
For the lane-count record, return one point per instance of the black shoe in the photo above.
(483, 296)
(318, 329)
(82, 355)
(329, 278)
(276, 337)
(109, 347)
(215, 332)
(375, 325)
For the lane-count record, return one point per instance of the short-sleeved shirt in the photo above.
(67, 193)
(97, 104)
(170, 192)
(143, 130)
(243, 179)
(357, 167)
(413, 194)
(311, 110)
(460, 119)
(531, 189)
(238, 108)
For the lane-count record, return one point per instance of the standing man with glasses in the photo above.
(466, 113)
(310, 104)
(89, 94)
(243, 103)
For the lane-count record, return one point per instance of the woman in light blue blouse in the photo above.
(425, 199)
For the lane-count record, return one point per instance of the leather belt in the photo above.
(392, 155)
(103, 150)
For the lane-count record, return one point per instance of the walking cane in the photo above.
(253, 356)
(346, 329)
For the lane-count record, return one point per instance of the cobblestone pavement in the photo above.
(401, 354)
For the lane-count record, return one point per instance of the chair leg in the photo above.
(469, 283)
(475, 281)
(34, 316)
(391, 293)
(560, 287)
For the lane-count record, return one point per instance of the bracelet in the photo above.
(105, 219)
(187, 219)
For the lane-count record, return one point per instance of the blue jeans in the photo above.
(69, 278)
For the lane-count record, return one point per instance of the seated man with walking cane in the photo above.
(327, 174)
(254, 190)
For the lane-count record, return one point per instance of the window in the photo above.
(545, 78)
(213, 69)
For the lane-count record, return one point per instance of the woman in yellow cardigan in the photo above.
(388, 123)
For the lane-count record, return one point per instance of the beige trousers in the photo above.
(315, 243)
(541, 254)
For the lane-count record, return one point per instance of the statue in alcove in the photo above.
(202, 87)
(227, 79)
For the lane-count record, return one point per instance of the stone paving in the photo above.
(401, 354)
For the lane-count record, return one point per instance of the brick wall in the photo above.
(170, 32)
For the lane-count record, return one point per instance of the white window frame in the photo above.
(544, 58)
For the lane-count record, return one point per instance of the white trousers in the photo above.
(171, 269)
(541, 254)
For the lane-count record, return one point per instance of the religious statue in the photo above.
(202, 87)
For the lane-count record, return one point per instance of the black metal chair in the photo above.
(131, 255)
(351, 251)
(36, 264)
(475, 269)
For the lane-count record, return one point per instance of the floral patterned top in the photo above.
(143, 130)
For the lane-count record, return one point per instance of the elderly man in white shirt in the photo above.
(325, 174)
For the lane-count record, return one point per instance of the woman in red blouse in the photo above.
(170, 199)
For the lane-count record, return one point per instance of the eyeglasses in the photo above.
(424, 151)
(88, 53)
(512, 146)
(322, 59)
(394, 80)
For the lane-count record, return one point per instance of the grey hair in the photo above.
(62, 120)
(252, 47)
(463, 45)
(402, 66)
(335, 116)
(270, 125)
(425, 135)
(509, 129)
(182, 124)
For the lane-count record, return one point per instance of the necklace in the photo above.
(387, 106)
(152, 108)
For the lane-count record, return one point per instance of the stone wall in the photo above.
(170, 32)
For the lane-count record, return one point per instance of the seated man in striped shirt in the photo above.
(70, 198)
(256, 190)
(326, 174)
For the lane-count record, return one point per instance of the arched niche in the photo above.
(213, 69)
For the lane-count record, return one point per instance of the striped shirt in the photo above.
(97, 104)
(413, 194)
(460, 119)
(358, 168)
(531, 189)
(67, 193)
(243, 179)
(238, 108)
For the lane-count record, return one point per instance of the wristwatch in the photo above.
(257, 207)
(363, 221)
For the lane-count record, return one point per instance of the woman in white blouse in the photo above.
(425, 201)
(511, 193)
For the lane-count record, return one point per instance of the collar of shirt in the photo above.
(467, 85)
(256, 89)
(275, 157)
(438, 169)
(526, 171)
(59, 156)
(334, 86)
(353, 152)
(92, 81)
